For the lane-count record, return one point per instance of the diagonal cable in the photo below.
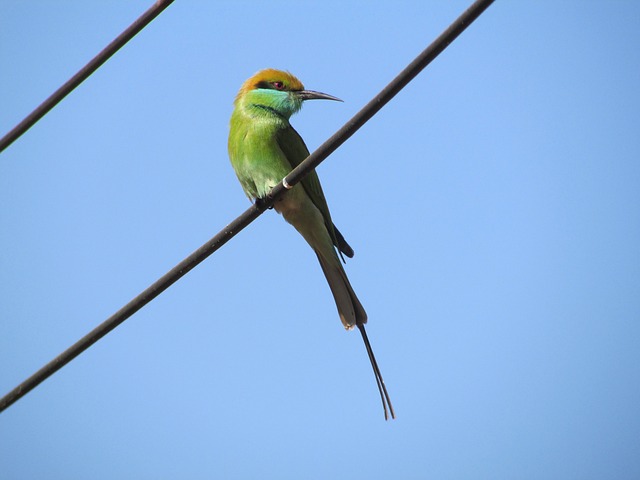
(95, 63)
(253, 212)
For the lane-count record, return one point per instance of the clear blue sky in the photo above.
(494, 207)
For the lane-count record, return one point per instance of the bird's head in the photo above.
(277, 90)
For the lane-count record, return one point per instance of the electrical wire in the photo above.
(228, 232)
(84, 73)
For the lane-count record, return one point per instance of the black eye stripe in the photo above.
(271, 85)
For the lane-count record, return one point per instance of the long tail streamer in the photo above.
(384, 396)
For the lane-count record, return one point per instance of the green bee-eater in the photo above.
(264, 148)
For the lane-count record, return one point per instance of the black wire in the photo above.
(254, 211)
(84, 73)
(386, 94)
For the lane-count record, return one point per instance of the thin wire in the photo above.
(386, 94)
(84, 73)
(254, 211)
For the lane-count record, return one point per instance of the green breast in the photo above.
(255, 155)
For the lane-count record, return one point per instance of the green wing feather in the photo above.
(294, 148)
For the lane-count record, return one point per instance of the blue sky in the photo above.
(493, 207)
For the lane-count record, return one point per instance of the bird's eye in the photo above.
(278, 85)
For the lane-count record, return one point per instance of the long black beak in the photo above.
(311, 95)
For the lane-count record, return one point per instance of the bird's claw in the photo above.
(260, 203)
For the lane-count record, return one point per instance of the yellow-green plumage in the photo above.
(263, 149)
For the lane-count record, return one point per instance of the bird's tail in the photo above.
(384, 396)
(352, 314)
(350, 309)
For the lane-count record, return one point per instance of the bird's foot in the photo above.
(260, 203)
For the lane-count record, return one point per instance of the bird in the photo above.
(264, 148)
